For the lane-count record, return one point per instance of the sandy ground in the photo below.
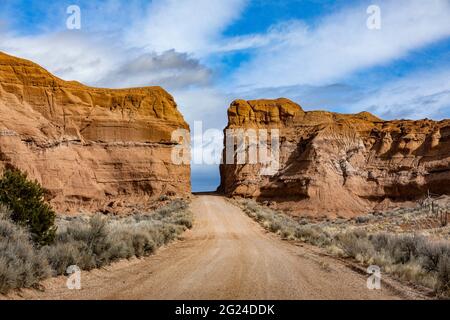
(225, 256)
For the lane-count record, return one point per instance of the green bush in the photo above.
(25, 199)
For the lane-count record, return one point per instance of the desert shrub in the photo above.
(251, 206)
(362, 219)
(142, 244)
(62, 255)
(355, 244)
(410, 257)
(288, 233)
(261, 216)
(26, 200)
(431, 253)
(288, 228)
(411, 271)
(122, 242)
(414, 258)
(380, 241)
(128, 240)
(404, 248)
(184, 221)
(99, 241)
(323, 240)
(312, 234)
(87, 243)
(443, 278)
(274, 226)
(20, 264)
(174, 206)
(381, 259)
(305, 232)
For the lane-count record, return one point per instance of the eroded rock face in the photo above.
(336, 164)
(89, 147)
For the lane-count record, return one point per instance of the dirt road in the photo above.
(225, 256)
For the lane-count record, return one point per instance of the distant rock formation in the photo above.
(337, 164)
(89, 147)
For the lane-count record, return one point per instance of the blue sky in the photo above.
(207, 53)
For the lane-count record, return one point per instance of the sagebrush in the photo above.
(88, 242)
(21, 265)
(411, 257)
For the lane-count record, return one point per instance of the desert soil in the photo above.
(226, 255)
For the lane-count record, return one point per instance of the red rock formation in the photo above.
(336, 164)
(88, 146)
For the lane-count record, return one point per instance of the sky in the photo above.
(322, 54)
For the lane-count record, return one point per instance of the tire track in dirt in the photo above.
(225, 256)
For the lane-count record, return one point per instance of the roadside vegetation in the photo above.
(411, 257)
(32, 251)
(25, 199)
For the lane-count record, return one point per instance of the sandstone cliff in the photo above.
(337, 164)
(89, 147)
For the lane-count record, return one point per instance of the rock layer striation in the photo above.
(339, 164)
(88, 147)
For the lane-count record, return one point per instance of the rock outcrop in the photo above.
(337, 164)
(88, 147)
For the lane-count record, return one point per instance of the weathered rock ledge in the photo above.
(90, 147)
(340, 164)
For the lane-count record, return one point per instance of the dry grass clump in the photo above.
(355, 244)
(99, 241)
(86, 242)
(21, 266)
(363, 219)
(414, 258)
(283, 225)
(443, 280)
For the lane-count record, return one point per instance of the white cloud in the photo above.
(288, 31)
(187, 26)
(341, 44)
(169, 69)
(169, 43)
(107, 46)
(149, 59)
(100, 61)
(205, 109)
(70, 55)
(422, 95)
(204, 104)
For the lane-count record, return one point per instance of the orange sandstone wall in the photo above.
(338, 164)
(89, 147)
